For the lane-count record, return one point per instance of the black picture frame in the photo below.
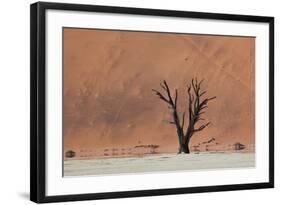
(38, 101)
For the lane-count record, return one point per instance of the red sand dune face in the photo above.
(108, 77)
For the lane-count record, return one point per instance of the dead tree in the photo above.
(196, 106)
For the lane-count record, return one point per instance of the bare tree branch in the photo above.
(202, 93)
(196, 107)
(176, 98)
(205, 106)
(168, 93)
(201, 127)
(194, 86)
(161, 96)
(212, 98)
(200, 82)
(163, 86)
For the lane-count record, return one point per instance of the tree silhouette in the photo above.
(196, 105)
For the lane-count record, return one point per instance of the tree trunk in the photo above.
(184, 149)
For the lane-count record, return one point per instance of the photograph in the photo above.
(154, 102)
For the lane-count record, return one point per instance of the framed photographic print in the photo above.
(129, 102)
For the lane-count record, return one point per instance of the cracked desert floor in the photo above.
(159, 163)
